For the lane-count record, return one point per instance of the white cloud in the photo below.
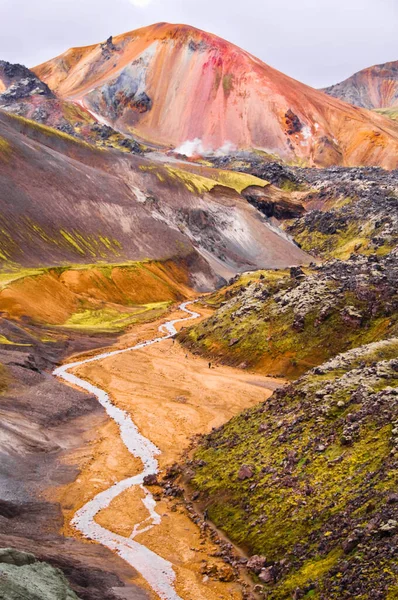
(140, 3)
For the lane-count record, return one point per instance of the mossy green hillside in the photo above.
(113, 320)
(318, 487)
(273, 279)
(200, 180)
(356, 237)
(364, 223)
(391, 113)
(282, 325)
(5, 149)
(99, 297)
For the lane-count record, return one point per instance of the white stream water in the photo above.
(157, 571)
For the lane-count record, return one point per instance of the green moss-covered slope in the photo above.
(307, 480)
(93, 298)
(284, 324)
(349, 210)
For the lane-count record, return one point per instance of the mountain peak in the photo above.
(373, 87)
(176, 86)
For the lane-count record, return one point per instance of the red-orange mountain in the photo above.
(177, 86)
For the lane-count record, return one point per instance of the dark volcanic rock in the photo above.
(362, 207)
(21, 83)
(267, 575)
(256, 563)
(293, 123)
(276, 173)
(151, 480)
(278, 206)
(245, 472)
(141, 102)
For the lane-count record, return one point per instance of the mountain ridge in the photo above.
(173, 84)
(374, 87)
(88, 202)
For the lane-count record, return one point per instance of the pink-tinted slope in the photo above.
(172, 84)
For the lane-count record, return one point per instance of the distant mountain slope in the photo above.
(63, 201)
(374, 87)
(178, 86)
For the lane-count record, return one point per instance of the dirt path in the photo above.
(170, 396)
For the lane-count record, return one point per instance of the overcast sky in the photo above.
(319, 42)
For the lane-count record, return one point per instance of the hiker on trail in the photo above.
(205, 515)
(209, 365)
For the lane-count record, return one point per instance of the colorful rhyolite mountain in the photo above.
(180, 87)
(63, 201)
(374, 87)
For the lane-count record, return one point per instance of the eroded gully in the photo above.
(157, 571)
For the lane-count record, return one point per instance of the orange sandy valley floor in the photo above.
(171, 396)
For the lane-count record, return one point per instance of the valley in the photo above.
(198, 326)
(171, 396)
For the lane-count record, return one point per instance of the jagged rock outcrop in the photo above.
(19, 83)
(274, 203)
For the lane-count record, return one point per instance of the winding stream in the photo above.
(157, 571)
